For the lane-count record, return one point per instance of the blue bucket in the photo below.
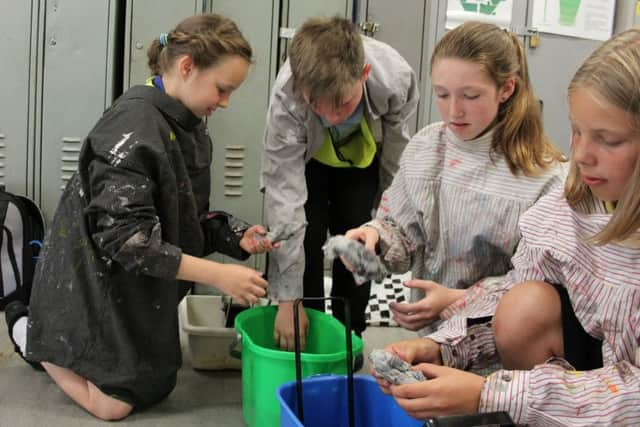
(325, 403)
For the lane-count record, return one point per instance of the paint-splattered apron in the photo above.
(105, 294)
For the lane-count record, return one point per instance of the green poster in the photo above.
(486, 7)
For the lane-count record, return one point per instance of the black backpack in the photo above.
(21, 234)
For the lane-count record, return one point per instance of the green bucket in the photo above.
(265, 367)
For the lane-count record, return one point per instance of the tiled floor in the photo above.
(201, 398)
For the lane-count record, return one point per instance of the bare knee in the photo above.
(524, 310)
(528, 326)
(106, 407)
(87, 395)
(118, 412)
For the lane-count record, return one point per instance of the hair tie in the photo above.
(164, 39)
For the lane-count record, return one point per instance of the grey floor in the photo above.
(208, 398)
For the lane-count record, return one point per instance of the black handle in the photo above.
(296, 329)
(501, 419)
(233, 348)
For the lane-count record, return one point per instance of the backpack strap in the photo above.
(4, 205)
(12, 259)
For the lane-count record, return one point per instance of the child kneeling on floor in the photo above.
(125, 244)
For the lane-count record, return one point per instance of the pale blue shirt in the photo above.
(341, 132)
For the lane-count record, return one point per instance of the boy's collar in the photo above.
(353, 119)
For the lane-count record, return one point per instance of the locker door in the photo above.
(237, 130)
(77, 86)
(295, 12)
(18, 50)
(436, 29)
(300, 10)
(145, 20)
(401, 25)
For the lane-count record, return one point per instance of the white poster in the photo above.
(587, 19)
(494, 11)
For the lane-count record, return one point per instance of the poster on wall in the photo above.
(494, 11)
(587, 19)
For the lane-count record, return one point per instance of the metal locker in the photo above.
(145, 20)
(237, 130)
(436, 29)
(20, 58)
(77, 85)
(295, 12)
(433, 30)
(414, 37)
(401, 25)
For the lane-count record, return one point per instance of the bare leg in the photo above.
(528, 325)
(87, 395)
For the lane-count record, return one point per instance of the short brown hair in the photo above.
(205, 38)
(326, 57)
(518, 133)
(612, 73)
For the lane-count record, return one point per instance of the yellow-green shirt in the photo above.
(358, 152)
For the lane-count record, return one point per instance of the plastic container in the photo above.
(203, 320)
(326, 404)
(265, 367)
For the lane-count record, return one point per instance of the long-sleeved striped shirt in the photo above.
(451, 213)
(603, 283)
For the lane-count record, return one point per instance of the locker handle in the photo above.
(287, 33)
(369, 28)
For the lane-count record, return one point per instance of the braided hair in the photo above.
(206, 38)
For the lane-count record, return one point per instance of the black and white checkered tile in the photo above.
(382, 293)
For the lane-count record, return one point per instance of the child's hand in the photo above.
(367, 235)
(254, 240)
(369, 238)
(415, 316)
(385, 385)
(417, 350)
(283, 332)
(413, 351)
(241, 283)
(448, 391)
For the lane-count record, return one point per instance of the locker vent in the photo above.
(234, 158)
(3, 158)
(70, 156)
